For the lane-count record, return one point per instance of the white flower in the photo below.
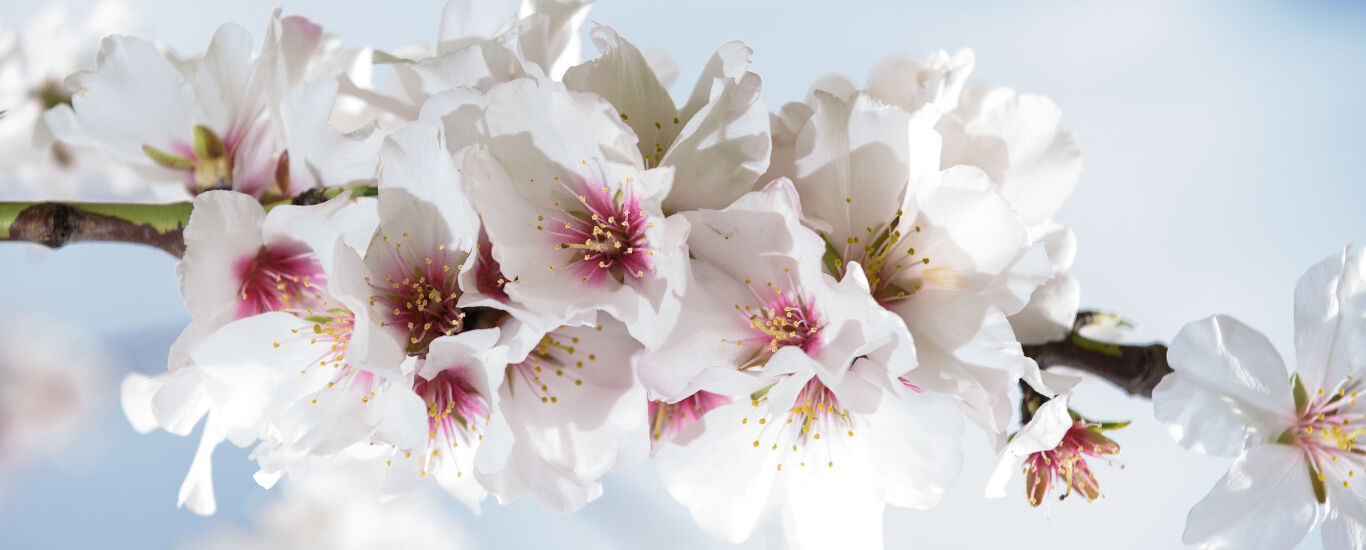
(570, 412)
(269, 332)
(939, 248)
(718, 143)
(832, 433)
(219, 122)
(572, 217)
(1015, 138)
(1295, 438)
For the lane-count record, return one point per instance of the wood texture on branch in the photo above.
(1135, 369)
(56, 224)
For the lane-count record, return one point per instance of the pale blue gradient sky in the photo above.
(1223, 147)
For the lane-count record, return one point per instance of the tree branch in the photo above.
(56, 224)
(1134, 369)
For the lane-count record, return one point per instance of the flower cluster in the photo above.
(515, 272)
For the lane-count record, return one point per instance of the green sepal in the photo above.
(167, 160)
(756, 395)
(1320, 491)
(832, 259)
(207, 145)
(1107, 426)
(1301, 395)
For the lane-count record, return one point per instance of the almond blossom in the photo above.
(831, 433)
(939, 247)
(1292, 436)
(571, 214)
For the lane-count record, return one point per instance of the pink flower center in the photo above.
(668, 419)
(488, 274)
(418, 295)
(606, 233)
(454, 406)
(780, 319)
(279, 276)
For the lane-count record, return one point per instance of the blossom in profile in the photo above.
(1294, 438)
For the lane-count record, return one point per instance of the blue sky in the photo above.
(1222, 141)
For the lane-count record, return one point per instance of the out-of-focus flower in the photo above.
(54, 384)
(34, 60)
(343, 510)
(1296, 439)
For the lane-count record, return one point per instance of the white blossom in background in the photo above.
(831, 432)
(228, 120)
(55, 384)
(1294, 438)
(34, 61)
(342, 510)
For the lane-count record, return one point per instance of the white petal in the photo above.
(623, 77)
(730, 62)
(1048, 316)
(823, 510)
(905, 81)
(220, 84)
(224, 229)
(1229, 384)
(548, 33)
(721, 477)
(1264, 502)
(1344, 528)
(136, 393)
(1040, 165)
(136, 97)
(464, 22)
(196, 493)
(852, 164)
(1043, 432)
(1330, 320)
(720, 152)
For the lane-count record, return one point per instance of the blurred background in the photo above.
(1223, 143)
